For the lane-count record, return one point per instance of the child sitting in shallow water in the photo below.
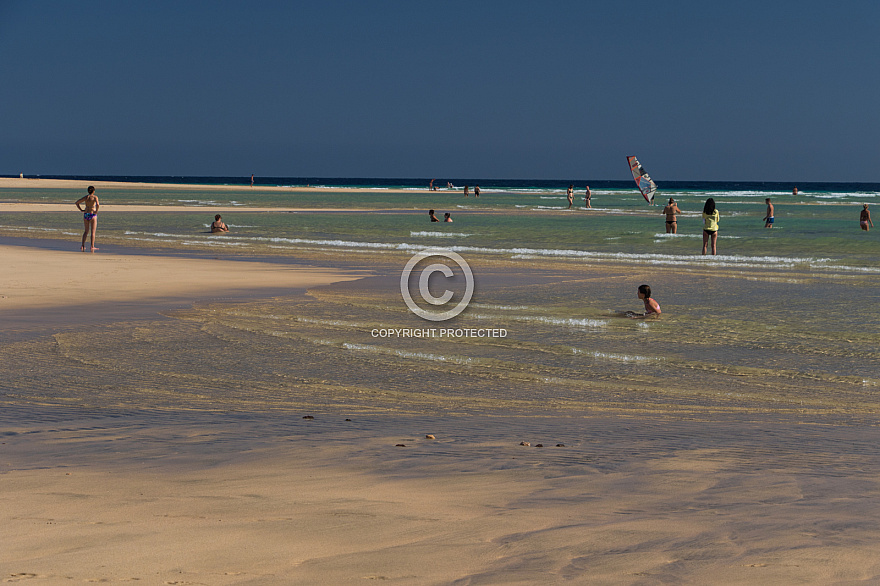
(651, 306)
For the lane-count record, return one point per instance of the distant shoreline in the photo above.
(17, 183)
(409, 184)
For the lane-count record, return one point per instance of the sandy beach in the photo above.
(439, 294)
(185, 419)
(283, 500)
(53, 279)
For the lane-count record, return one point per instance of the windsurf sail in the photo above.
(645, 183)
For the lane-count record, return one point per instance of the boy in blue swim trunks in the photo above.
(769, 217)
(90, 217)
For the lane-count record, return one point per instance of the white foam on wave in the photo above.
(846, 195)
(614, 356)
(721, 261)
(200, 202)
(439, 234)
(406, 353)
(661, 236)
(555, 321)
(234, 225)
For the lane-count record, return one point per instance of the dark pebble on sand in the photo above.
(560, 445)
(539, 445)
(308, 417)
(400, 445)
(348, 419)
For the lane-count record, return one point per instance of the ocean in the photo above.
(780, 323)
(817, 229)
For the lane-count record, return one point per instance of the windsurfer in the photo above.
(644, 182)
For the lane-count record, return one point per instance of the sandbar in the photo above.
(40, 278)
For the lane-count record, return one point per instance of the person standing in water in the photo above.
(671, 222)
(467, 193)
(768, 219)
(588, 196)
(865, 218)
(90, 217)
(570, 194)
(432, 216)
(476, 191)
(710, 225)
(447, 217)
(794, 191)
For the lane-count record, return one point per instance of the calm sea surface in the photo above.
(782, 321)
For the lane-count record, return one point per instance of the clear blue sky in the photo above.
(774, 91)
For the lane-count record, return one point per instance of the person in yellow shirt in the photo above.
(710, 225)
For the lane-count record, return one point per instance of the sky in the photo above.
(751, 91)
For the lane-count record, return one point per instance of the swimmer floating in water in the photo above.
(217, 226)
(651, 306)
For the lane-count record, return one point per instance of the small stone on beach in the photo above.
(524, 444)
(560, 445)
(429, 436)
(400, 445)
(539, 445)
(308, 417)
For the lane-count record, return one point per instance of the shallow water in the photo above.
(734, 435)
(817, 230)
(725, 344)
(778, 322)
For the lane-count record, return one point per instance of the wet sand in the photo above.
(255, 499)
(174, 449)
(40, 278)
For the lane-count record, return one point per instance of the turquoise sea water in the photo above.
(815, 230)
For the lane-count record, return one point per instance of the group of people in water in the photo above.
(588, 196)
(89, 206)
(710, 222)
(711, 218)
